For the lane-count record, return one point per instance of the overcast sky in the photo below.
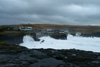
(69, 12)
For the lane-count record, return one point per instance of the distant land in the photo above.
(72, 28)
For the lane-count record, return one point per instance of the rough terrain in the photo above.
(18, 56)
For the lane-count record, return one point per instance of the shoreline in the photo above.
(18, 56)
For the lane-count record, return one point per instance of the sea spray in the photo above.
(82, 43)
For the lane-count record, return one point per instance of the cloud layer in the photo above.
(69, 12)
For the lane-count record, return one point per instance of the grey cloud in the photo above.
(72, 12)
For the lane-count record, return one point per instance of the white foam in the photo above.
(82, 43)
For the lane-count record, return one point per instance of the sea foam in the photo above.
(72, 42)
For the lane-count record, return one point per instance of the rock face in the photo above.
(17, 56)
(97, 34)
(15, 38)
(34, 37)
(59, 36)
(12, 38)
(18, 38)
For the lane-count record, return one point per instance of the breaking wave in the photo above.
(72, 42)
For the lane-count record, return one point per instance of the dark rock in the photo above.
(10, 65)
(38, 54)
(48, 62)
(12, 38)
(96, 34)
(59, 36)
(95, 62)
(26, 57)
(17, 56)
(98, 57)
(15, 38)
(34, 37)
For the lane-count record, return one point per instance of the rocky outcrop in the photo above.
(17, 56)
(33, 35)
(97, 34)
(59, 36)
(14, 38)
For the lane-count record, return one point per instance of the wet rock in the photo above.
(12, 38)
(98, 57)
(48, 62)
(17, 56)
(38, 54)
(10, 65)
(59, 36)
(16, 38)
(95, 62)
(73, 54)
(6, 58)
(26, 58)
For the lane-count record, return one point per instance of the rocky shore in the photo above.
(18, 56)
(17, 38)
(14, 38)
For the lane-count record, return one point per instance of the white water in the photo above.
(82, 43)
